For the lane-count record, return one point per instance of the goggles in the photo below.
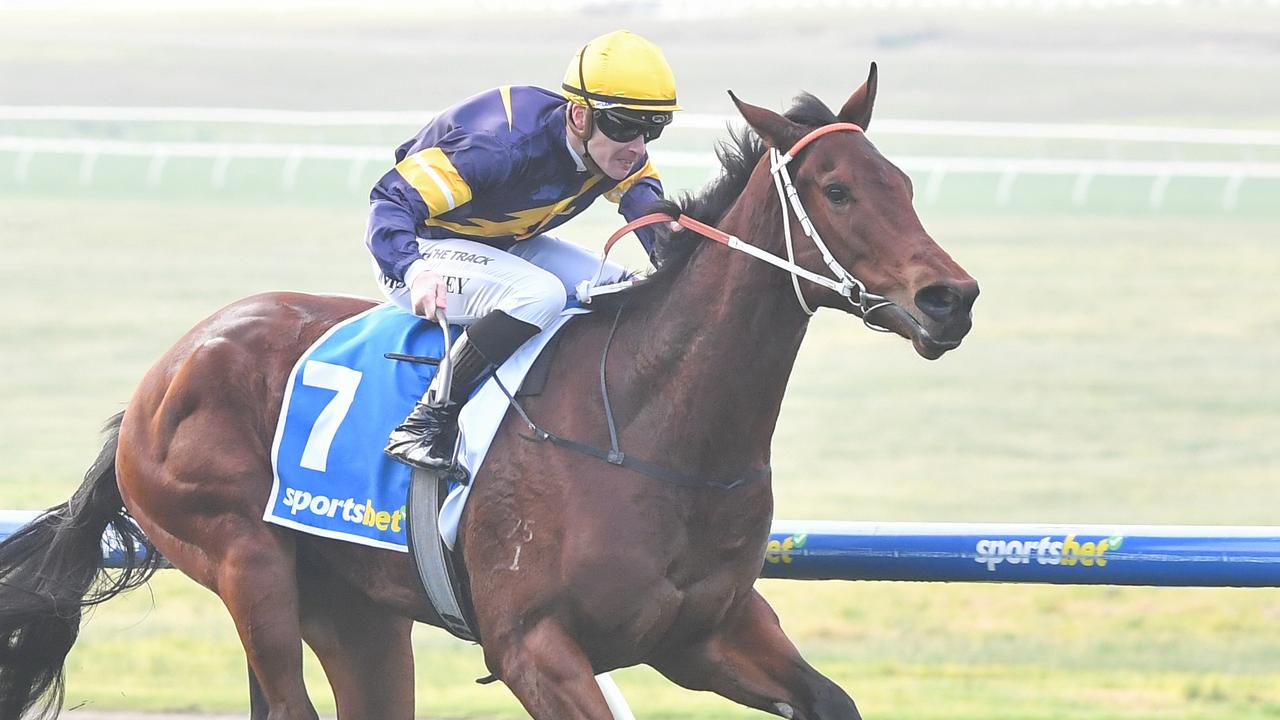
(625, 128)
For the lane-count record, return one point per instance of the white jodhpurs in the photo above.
(529, 282)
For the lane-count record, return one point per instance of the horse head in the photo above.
(858, 204)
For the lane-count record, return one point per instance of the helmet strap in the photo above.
(585, 136)
(589, 126)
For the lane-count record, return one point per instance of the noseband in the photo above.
(844, 283)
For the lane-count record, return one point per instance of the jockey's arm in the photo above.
(426, 182)
(635, 197)
(390, 235)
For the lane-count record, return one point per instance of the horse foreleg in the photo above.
(547, 671)
(258, 709)
(752, 662)
(365, 650)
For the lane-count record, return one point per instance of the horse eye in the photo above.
(837, 194)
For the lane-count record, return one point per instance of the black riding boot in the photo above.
(427, 438)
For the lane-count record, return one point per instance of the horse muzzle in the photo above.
(935, 321)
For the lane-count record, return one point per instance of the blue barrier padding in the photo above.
(1163, 555)
(1175, 556)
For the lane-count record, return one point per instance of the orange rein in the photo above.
(653, 218)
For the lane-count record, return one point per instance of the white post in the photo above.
(613, 696)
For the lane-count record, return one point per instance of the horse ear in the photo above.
(776, 130)
(857, 109)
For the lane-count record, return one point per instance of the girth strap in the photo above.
(431, 558)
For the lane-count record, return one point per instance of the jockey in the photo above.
(459, 225)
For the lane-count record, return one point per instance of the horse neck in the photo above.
(721, 344)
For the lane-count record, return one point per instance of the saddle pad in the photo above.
(342, 401)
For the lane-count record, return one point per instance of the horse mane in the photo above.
(738, 157)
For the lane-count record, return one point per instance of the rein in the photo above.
(614, 455)
(844, 283)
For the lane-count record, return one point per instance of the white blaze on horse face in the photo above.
(785, 710)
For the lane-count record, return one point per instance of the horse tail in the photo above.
(50, 571)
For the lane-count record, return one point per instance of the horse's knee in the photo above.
(544, 648)
(550, 674)
(541, 655)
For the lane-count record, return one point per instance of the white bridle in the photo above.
(844, 283)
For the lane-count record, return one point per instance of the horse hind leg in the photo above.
(257, 582)
(365, 650)
(251, 567)
(752, 662)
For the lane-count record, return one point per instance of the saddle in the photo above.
(343, 397)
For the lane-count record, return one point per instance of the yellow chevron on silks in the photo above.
(505, 92)
(431, 173)
(521, 224)
(648, 171)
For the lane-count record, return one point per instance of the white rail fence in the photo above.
(688, 121)
(934, 170)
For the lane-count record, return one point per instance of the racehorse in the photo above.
(576, 566)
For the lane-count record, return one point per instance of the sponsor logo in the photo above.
(454, 284)
(1069, 551)
(347, 509)
(779, 551)
(456, 256)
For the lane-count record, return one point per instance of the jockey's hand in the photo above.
(427, 294)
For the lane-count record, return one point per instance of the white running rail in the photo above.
(361, 158)
(687, 121)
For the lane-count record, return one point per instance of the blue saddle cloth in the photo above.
(343, 399)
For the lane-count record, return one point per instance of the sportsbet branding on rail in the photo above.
(1069, 551)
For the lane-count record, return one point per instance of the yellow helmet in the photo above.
(621, 70)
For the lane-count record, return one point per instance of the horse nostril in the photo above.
(939, 302)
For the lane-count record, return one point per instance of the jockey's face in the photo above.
(609, 157)
(615, 158)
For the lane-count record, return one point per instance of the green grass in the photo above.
(1118, 371)
(905, 651)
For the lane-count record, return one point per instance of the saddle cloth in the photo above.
(342, 401)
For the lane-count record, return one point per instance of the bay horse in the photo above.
(576, 566)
